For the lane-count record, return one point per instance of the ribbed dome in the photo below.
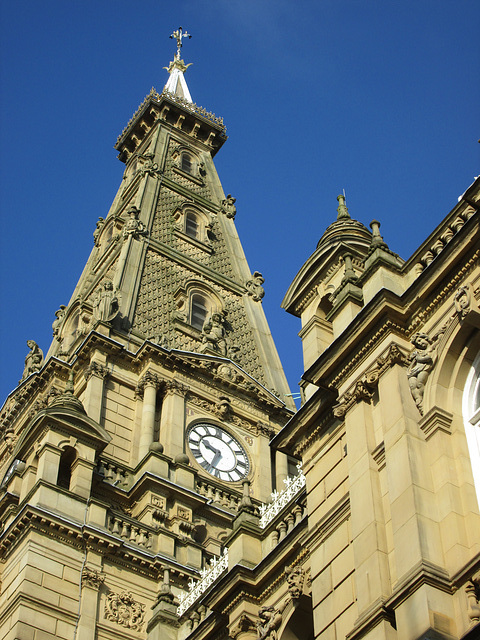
(345, 230)
(67, 399)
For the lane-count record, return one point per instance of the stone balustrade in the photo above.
(113, 473)
(287, 523)
(129, 530)
(218, 495)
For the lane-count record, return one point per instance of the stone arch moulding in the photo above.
(185, 212)
(471, 418)
(456, 351)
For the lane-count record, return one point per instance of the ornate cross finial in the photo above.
(178, 35)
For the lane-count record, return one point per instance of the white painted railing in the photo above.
(293, 486)
(209, 576)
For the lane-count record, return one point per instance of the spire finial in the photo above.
(342, 211)
(179, 34)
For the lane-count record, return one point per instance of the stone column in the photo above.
(172, 421)
(92, 580)
(150, 384)
(48, 463)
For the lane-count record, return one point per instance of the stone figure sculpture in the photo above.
(269, 623)
(133, 227)
(34, 359)
(254, 286)
(98, 231)
(228, 206)
(105, 303)
(421, 363)
(57, 323)
(213, 334)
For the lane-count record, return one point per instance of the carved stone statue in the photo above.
(213, 334)
(133, 227)
(98, 231)
(269, 623)
(34, 359)
(105, 303)
(57, 323)
(421, 363)
(254, 286)
(228, 206)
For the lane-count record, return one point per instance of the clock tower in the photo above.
(135, 444)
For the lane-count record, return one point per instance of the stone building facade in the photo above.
(157, 482)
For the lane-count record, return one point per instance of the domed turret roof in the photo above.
(345, 230)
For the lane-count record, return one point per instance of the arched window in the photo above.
(192, 225)
(65, 467)
(199, 309)
(186, 163)
(471, 416)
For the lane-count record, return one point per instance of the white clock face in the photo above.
(218, 452)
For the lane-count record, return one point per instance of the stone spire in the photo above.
(176, 83)
(342, 211)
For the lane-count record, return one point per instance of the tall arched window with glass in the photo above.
(471, 416)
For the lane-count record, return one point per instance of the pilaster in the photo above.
(172, 421)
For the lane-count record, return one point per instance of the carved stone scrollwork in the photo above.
(254, 286)
(34, 359)
(228, 206)
(92, 578)
(364, 389)
(123, 609)
(148, 166)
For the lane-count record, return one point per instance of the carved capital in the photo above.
(149, 379)
(173, 386)
(96, 369)
(92, 578)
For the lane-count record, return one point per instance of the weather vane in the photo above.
(178, 35)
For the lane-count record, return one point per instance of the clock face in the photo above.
(218, 452)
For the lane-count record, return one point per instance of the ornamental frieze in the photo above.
(123, 609)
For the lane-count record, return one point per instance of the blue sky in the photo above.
(380, 98)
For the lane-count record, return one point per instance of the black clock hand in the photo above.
(216, 458)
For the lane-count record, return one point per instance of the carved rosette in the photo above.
(124, 610)
(92, 578)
